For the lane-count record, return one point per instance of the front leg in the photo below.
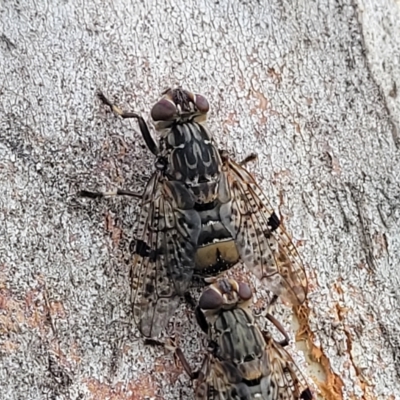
(142, 123)
(250, 158)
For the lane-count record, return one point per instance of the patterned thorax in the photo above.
(186, 144)
(239, 340)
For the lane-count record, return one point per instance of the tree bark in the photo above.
(312, 87)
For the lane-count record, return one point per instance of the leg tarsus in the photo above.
(115, 109)
(142, 123)
(104, 99)
(251, 157)
(91, 195)
(119, 192)
(153, 342)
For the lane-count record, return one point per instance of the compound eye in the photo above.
(211, 299)
(201, 103)
(164, 110)
(244, 291)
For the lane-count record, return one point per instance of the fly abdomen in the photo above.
(213, 258)
(204, 192)
(213, 232)
(216, 249)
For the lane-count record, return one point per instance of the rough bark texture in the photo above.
(310, 86)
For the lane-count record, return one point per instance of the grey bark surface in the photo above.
(310, 86)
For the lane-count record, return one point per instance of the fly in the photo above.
(201, 213)
(242, 362)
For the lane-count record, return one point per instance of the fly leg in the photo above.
(148, 139)
(250, 158)
(118, 192)
(280, 328)
(185, 364)
(201, 373)
(190, 300)
(267, 314)
(170, 346)
(142, 123)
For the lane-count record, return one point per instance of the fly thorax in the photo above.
(239, 337)
(193, 159)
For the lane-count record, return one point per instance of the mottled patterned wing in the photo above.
(220, 380)
(166, 239)
(285, 381)
(262, 241)
(281, 379)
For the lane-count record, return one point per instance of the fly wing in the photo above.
(285, 381)
(222, 381)
(263, 244)
(166, 239)
(202, 391)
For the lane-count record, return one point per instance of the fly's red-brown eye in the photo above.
(201, 103)
(164, 110)
(211, 299)
(244, 291)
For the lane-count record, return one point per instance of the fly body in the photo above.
(201, 213)
(243, 362)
